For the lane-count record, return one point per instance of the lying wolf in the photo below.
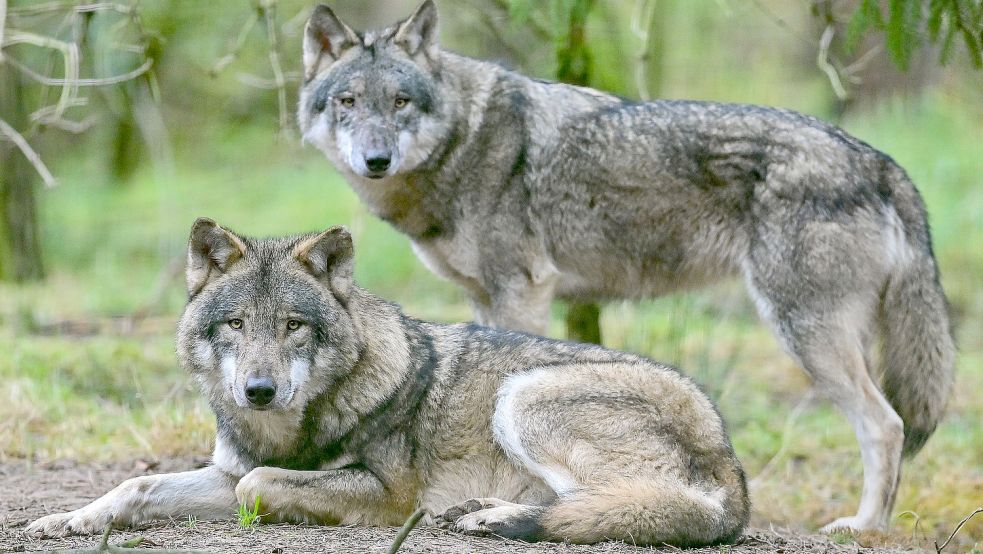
(334, 407)
(521, 190)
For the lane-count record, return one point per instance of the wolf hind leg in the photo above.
(840, 372)
(623, 467)
(832, 346)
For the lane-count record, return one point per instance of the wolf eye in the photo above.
(293, 325)
(347, 102)
(401, 103)
(235, 323)
(320, 104)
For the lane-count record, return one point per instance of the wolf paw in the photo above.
(452, 514)
(852, 523)
(491, 516)
(79, 522)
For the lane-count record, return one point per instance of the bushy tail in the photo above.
(649, 513)
(919, 352)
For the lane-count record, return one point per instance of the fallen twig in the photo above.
(938, 549)
(405, 531)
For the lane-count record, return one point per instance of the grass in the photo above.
(80, 378)
(249, 517)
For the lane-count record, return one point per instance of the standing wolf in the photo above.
(334, 407)
(521, 190)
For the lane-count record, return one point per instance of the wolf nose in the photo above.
(260, 390)
(378, 162)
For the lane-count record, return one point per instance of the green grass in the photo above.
(249, 517)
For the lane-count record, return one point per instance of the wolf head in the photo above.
(266, 325)
(370, 101)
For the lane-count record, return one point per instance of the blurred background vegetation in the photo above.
(200, 123)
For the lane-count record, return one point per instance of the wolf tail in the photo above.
(918, 354)
(650, 513)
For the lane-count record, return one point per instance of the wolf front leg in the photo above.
(207, 493)
(337, 496)
(519, 299)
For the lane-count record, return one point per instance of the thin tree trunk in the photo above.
(573, 65)
(20, 247)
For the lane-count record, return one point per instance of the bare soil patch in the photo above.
(29, 491)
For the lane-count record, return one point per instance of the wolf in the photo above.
(334, 407)
(522, 190)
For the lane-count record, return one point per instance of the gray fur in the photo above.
(497, 431)
(522, 191)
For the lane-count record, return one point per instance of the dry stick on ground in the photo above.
(405, 530)
(938, 549)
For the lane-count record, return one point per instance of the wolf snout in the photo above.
(260, 390)
(379, 161)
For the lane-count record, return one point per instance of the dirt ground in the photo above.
(29, 491)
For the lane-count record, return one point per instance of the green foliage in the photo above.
(564, 23)
(249, 518)
(907, 23)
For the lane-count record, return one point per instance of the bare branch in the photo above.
(273, 35)
(3, 25)
(74, 127)
(240, 41)
(641, 27)
(29, 153)
(938, 549)
(54, 82)
(822, 60)
(48, 7)
(256, 81)
(68, 85)
(69, 51)
(499, 35)
(538, 29)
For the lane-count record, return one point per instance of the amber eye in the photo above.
(401, 103)
(347, 102)
(293, 325)
(235, 323)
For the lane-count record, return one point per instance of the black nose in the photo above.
(378, 163)
(260, 390)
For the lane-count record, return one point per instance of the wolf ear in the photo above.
(326, 35)
(419, 32)
(211, 251)
(329, 257)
